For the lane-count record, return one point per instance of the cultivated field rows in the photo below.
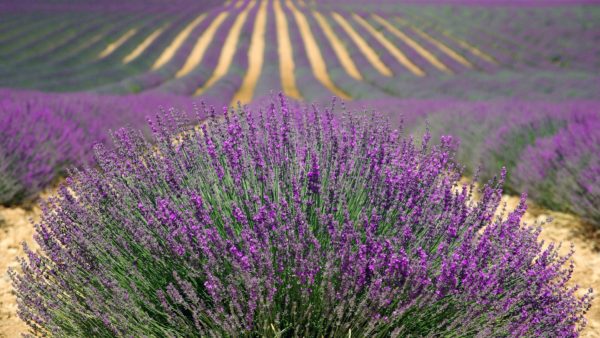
(315, 52)
(506, 92)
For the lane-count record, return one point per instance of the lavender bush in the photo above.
(286, 221)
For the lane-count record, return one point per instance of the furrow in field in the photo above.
(43, 47)
(309, 86)
(170, 51)
(362, 45)
(413, 44)
(270, 78)
(506, 50)
(338, 47)
(43, 35)
(391, 48)
(471, 48)
(317, 63)
(144, 45)
(143, 77)
(286, 53)
(239, 4)
(434, 30)
(228, 51)
(445, 49)
(90, 73)
(14, 24)
(202, 45)
(70, 36)
(256, 54)
(356, 88)
(223, 90)
(26, 32)
(64, 54)
(464, 44)
(113, 46)
(86, 46)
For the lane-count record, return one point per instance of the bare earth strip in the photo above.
(256, 54)
(144, 45)
(170, 51)
(387, 44)
(228, 51)
(113, 46)
(16, 228)
(286, 53)
(466, 45)
(363, 46)
(317, 63)
(202, 45)
(338, 47)
(413, 44)
(445, 49)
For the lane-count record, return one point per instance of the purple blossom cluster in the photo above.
(563, 170)
(288, 221)
(30, 157)
(42, 135)
(549, 148)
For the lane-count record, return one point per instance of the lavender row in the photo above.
(563, 170)
(42, 135)
(550, 149)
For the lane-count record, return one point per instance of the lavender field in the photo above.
(299, 168)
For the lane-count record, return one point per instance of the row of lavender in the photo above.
(550, 149)
(42, 135)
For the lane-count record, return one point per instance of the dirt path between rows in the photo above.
(15, 227)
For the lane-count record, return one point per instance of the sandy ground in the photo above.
(15, 227)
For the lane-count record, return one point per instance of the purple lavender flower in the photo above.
(348, 228)
(43, 135)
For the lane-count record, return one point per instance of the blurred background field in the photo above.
(517, 83)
